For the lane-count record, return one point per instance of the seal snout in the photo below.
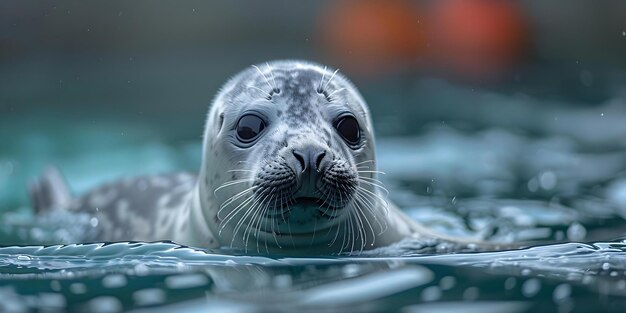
(307, 176)
(309, 158)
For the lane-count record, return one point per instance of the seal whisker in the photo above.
(259, 220)
(273, 79)
(362, 233)
(253, 217)
(319, 86)
(377, 172)
(352, 235)
(269, 95)
(367, 161)
(235, 211)
(239, 170)
(239, 207)
(380, 182)
(331, 78)
(346, 231)
(232, 199)
(370, 207)
(375, 196)
(338, 226)
(374, 184)
(358, 222)
(265, 77)
(241, 222)
(230, 183)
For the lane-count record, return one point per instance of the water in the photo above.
(559, 190)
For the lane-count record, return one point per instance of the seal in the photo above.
(288, 164)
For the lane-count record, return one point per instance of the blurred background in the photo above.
(521, 99)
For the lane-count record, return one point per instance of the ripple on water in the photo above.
(116, 276)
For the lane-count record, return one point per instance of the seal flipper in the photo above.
(49, 192)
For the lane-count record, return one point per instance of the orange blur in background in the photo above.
(469, 40)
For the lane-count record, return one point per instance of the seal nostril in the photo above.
(319, 159)
(300, 159)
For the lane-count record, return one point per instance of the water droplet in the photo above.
(576, 232)
(606, 266)
(105, 304)
(350, 270)
(547, 180)
(510, 283)
(447, 283)
(141, 269)
(587, 279)
(561, 292)
(55, 285)
(78, 288)
(93, 222)
(114, 281)
(471, 294)
(53, 301)
(531, 287)
(533, 185)
(186, 281)
(282, 281)
(432, 293)
(149, 296)
(23, 258)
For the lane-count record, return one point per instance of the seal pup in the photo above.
(288, 164)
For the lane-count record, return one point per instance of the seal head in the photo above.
(289, 162)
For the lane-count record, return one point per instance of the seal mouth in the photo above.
(308, 201)
(313, 201)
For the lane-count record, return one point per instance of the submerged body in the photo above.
(288, 165)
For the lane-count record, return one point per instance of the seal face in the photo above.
(288, 165)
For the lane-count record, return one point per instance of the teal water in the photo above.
(559, 189)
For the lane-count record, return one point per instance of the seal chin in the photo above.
(308, 214)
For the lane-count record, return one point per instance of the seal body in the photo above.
(288, 165)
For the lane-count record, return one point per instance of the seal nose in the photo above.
(309, 157)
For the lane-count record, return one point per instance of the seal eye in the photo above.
(348, 128)
(249, 127)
